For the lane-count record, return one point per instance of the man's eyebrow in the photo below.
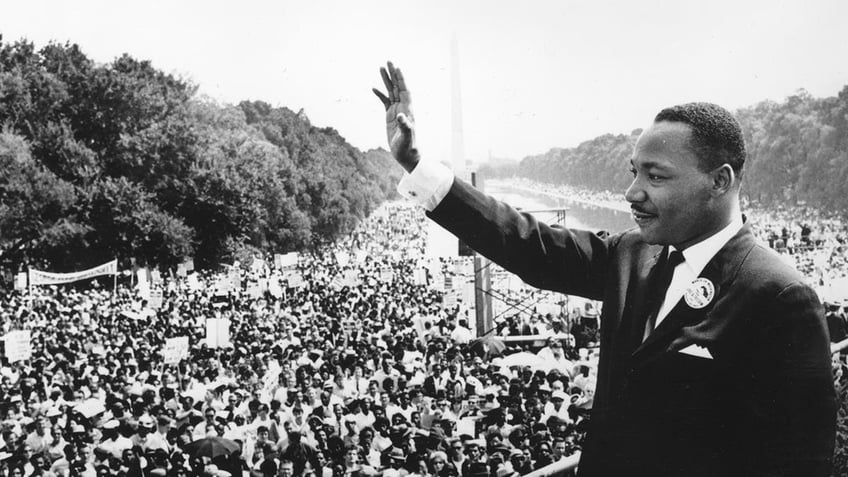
(651, 165)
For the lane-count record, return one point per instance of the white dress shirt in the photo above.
(696, 258)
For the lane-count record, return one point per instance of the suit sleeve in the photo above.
(793, 393)
(552, 258)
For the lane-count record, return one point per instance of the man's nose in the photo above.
(634, 193)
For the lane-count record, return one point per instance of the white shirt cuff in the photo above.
(427, 185)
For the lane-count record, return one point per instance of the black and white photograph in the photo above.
(424, 239)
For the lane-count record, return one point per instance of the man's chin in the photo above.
(650, 236)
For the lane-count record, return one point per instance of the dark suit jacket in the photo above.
(429, 386)
(764, 405)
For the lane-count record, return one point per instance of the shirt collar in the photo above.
(698, 255)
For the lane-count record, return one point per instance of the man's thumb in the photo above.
(404, 123)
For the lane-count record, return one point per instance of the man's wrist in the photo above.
(411, 161)
(427, 183)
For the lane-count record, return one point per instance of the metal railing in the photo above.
(557, 468)
(837, 347)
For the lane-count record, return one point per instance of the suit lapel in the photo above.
(719, 271)
(637, 301)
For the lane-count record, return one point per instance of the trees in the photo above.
(123, 160)
(35, 205)
(334, 183)
(797, 153)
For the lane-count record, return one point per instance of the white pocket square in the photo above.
(697, 351)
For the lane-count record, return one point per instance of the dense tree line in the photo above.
(122, 160)
(797, 154)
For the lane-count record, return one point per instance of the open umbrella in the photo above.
(525, 359)
(211, 447)
(486, 346)
(90, 407)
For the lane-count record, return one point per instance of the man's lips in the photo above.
(641, 216)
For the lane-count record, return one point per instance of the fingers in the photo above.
(394, 90)
(387, 81)
(395, 86)
(382, 97)
(399, 81)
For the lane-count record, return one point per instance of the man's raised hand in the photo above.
(400, 126)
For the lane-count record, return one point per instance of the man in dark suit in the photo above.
(714, 354)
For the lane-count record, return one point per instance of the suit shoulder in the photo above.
(630, 238)
(770, 271)
(629, 243)
(771, 265)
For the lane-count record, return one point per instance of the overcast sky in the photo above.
(534, 74)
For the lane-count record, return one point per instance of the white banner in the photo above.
(175, 349)
(38, 277)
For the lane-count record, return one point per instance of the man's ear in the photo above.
(723, 179)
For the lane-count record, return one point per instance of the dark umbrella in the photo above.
(488, 345)
(211, 447)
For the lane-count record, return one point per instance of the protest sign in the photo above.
(192, 282)
(337, 283)
(254, 289)
(143, 283)
(217, 332)
(449, 300)
(18, 346)
(295, 280)
(274, 287)
(351, 278)
(258, 265)
(419, 276)
(175, 349)
(342, 257)
(361, 255)
(286, 260)
(156, 299)
(21, 281)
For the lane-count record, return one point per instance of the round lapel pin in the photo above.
(700, 293)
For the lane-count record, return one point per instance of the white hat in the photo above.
(559, 395)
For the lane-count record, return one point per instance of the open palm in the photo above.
(400, 129)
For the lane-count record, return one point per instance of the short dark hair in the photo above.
(716, 135)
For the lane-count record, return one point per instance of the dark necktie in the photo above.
(660, 286)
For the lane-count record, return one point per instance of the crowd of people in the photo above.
(348, 362)
(351, 361)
